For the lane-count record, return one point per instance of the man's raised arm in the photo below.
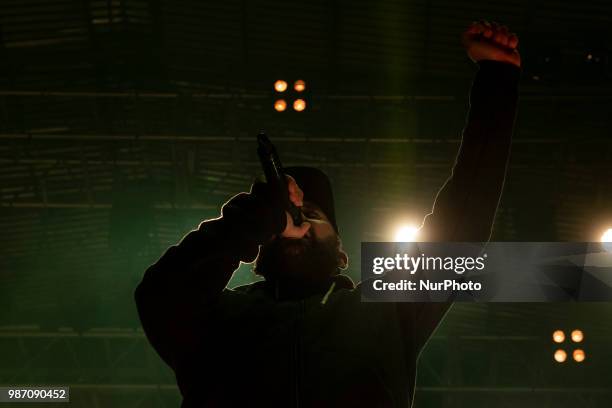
(465, 207)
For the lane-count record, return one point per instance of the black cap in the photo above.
(317, 189)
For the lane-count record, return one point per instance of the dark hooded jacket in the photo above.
(265, 345)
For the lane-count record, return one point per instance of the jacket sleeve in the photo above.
(180, 290)
(465, 207)
(175, 291)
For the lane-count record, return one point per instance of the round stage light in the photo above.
(579, 355)
(299, 105)
(280, 86)
(406, 233)
(299, 85)
(560, 356)
(280, 105)
(577, 336)
(558, 336)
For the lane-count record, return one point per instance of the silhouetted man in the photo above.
(302, 337)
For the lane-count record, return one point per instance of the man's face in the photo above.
(308, 260)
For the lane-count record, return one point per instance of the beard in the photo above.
(307, 261)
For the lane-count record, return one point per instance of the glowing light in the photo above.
(579, 355)
(607, 236)
(280, 86)
(560, 356)
(558, 336)
(406, 233)
(299, 85)
(299, 105)
(577, 336)
(280, 105)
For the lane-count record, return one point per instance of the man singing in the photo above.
(301, 336)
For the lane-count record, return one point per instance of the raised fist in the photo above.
(491, 41)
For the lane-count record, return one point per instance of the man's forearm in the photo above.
(207, 255)
(205, 259)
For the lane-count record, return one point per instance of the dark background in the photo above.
(124, 123)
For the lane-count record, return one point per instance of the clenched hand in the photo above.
(491, 41)
(296, 196)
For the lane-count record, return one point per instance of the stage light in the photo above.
(299, 85)
(299, 105)
(607, 235)
(579, 355)
(577, 336)
(558, 336)
(560, 356)
(280, 105)
(606, 240)
(406, 233)
(280, 86)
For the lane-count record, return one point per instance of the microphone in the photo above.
(275, 175)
